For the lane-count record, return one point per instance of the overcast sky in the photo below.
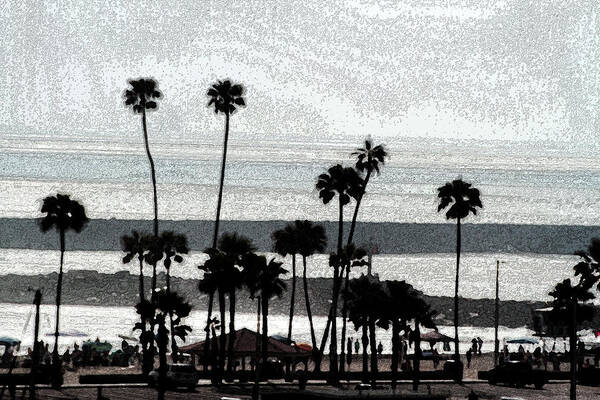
(506, 69)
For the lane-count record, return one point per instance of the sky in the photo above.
(512, 69)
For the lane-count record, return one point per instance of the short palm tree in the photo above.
(399, 301)
(217, 269)
(285, 243)
(463, 200)
(136, 245)
(366, 300)
(369, 158)
(208, 285)
(345, 183)
(236, 248)
(63, 214)
(422, 315)
(311, 239)
(173, 246)
(225, 98)
(142, 96)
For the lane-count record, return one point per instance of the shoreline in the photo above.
(92, 288)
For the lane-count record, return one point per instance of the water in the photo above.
(107, 323)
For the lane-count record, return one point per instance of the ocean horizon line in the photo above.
(384, 237)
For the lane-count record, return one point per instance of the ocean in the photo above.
(522, 183)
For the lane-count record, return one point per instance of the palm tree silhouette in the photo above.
(463, 200)
(422, 315)
(368, 159)
(63, 214)
(264, 280)
(225, 98)
(216, 269)
(142, 97)
(311, 239)
(172, 247)
(345, 183)
(236, 247)
(136, 245)
(366, 295)
(285, 243)
(208, 285)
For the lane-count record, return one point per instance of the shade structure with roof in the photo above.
(9, 341)
(523, 340)
(245, 345)
(434, 337)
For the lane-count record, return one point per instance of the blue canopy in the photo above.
(523, 340)
(8, 341)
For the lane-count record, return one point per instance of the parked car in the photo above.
(178, 375)
(518, 373)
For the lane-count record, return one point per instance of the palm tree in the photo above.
(311, 239)
(268, 285)
(217, 268)
(172, 247)
(225, 97)
(141, 96)
(236, 247)
(345, 183)
(366, 300)
(352, 257)
(368, 159)
(571, 301)
(208, 285)
(422, 315)
(136, 245)
(463, 200)
(63, 214)
(285, 243)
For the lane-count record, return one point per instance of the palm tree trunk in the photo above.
(395, 350)
(373, 345)
(142, 295)
(257, 364)
(344, 316)
(223, 336)
(573, 351)
(417, 363)
(153, 294)
(456, 350)
(224, 160)
(230, 356)
(162, 356)
(365, 356)
(293, 297)
(265, 328)
(308, 310)
(55, 358)
(211, 295)
(172, 333)
(152, 172)
(358, 201)
(333, 367)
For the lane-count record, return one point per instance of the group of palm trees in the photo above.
(232, 263)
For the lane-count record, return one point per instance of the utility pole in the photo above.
(497, 315)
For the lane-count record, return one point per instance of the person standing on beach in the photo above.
(349, 351)
(480, 345)
(474, 345)
(356, 346)
(469, 356)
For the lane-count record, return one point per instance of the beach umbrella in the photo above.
(523, 340)
(8, 341)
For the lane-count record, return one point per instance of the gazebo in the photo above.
(245, 346)
(434, 337)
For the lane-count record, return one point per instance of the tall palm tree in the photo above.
(141, 96)
(63, 214)
(236, 247)
(172, 247)
(225, 98)
(369, 158)
(345, 183)
(463, 200)
(311, 239)
(136, 245)
(285, 243)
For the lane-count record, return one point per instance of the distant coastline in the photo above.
(121, 289)
(391, 238)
